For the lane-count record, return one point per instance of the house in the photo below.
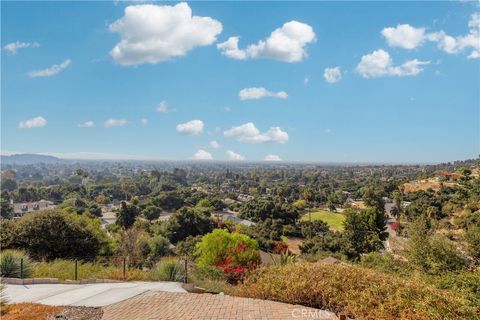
(21, 208)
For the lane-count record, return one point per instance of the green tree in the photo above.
(313, 228)
(6, 209)
(151, 212)
(126, 215)
(365, 230)
(187, 222)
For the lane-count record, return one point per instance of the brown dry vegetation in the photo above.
(424, 185)
(363, 293)
(29, 311)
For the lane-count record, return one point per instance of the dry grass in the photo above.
(424, 185)
(29, 311)
(293, 244)
(361, 292)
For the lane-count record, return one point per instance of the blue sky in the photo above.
(321, 81)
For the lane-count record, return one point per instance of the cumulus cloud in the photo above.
(287, 43)
(379, 64)
(50, 71)
(202, 155)
(114, 123)
(144, 121)
(234, 156)
(332, 75)
(153, 33)
(36, 122)
(408, 37)
(258, 93)
(248, 133)
(86, 124)
(13, 47)
(272, 157)
(404, 36)
(214, 144)
(191, 127)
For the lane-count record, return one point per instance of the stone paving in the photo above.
(185, 306)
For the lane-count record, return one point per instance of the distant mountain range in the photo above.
(28, 158)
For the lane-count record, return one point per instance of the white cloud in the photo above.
(379, 64)
(36, 122)
(154, 33)
(235, 156)
(191, 127)
(408, 37)
(272, 157)
(50, 71)
(332, 75)
(144, 121)
(231, 50)
(327, 131)
(258, 93)
(306, 80)
(162, 107)
(214, 144)
(202, 155)
(404, 36)
(13, 47)
(248, 133)
(114, 123)
(227, 109)
(86, 124)
(287, 43)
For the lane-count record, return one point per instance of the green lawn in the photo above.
(334, 220)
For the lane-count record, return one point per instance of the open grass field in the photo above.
(334, 220)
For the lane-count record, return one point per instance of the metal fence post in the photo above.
(124, 268)
(21, 268)
(186, 271)
(76, 269)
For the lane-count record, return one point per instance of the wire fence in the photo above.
(102, 267)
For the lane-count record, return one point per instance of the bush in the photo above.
(151, 212)
(362, 293)
(168, 269)
(385, 263)
(10, 264)
(430, 252)
(159, 247)
(53, 234)
(233, 253)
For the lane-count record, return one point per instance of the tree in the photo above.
(126, 215)
(6, 209)
(431, 252)
(52, 234)
(151, 212)
(365, 230)
(313, 228)
(187, 222)
(8, 184)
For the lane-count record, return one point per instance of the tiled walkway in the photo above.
(185, 306)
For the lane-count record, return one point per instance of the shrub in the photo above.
(52, 234)
(385, 263)
(159, 247)
(151, 212)
(168, 269)
(362, 293)
(10, 264)
(233, 253)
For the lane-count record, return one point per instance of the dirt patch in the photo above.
(29, 311)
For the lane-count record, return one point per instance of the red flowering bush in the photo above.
(233, 253)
